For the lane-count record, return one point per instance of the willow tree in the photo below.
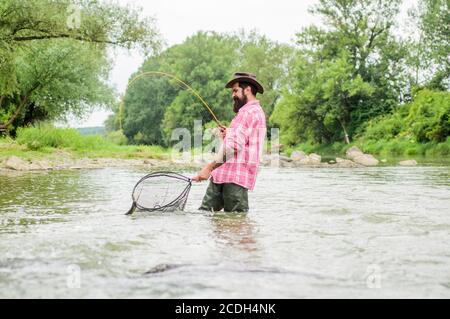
(53, 58)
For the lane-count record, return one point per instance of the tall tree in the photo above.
(53, 55)
(430, 52)
(206, 61)
(349, 70)
(145, 103)
(270, 61)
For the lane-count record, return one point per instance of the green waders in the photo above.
(230, 197)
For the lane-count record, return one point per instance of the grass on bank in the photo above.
(48, 142)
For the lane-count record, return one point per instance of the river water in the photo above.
(379, 232)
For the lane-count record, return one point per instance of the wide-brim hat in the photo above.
(245, 77)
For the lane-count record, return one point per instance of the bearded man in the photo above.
(233, 172)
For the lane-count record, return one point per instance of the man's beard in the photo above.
(238, 103)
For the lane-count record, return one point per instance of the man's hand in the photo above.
(204, 173)
(220, 132)
(223, 132)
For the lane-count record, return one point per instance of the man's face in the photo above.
(239, 98)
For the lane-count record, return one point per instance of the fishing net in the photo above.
(161, 191)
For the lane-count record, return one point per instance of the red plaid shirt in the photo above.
(245, 137)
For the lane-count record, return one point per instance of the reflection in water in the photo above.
(234, 229)
(43, 193)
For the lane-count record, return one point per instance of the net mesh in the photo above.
(161, 191)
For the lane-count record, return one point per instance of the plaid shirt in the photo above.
(245, 141)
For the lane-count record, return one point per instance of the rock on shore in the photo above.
(408, 163)
(357, 156)
(16, 164)
(300, 159)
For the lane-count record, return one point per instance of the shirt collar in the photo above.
(254, 102)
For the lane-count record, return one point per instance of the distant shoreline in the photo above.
(91, 163)
(57, 149)
(64, 160)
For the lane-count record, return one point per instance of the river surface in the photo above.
(379, 232)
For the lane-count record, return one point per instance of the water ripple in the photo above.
(310, 233)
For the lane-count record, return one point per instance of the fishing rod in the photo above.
(180, 82)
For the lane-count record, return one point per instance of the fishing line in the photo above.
(179, 82)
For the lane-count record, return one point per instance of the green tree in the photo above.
(145, 103)
(53, 55)
(55, 79)
(329, 95)
(429, 116)
(270, 61)
(430, 52)
(349, 71)
(426, 119)
(206, 61)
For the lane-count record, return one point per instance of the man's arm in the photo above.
(233, 143)
(205, 172)
(219, 159)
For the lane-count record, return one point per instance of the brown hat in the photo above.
(246, 77)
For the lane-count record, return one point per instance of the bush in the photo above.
(117, 137)
(427, 119)
(438, 149)
(373, 147)
(419, 128)
(386, 127)
(429, 116)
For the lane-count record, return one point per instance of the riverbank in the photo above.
(49, 148)
(17, 157)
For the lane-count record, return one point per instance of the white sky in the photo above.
(280, 20)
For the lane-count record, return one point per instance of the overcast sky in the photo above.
(280, 20)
